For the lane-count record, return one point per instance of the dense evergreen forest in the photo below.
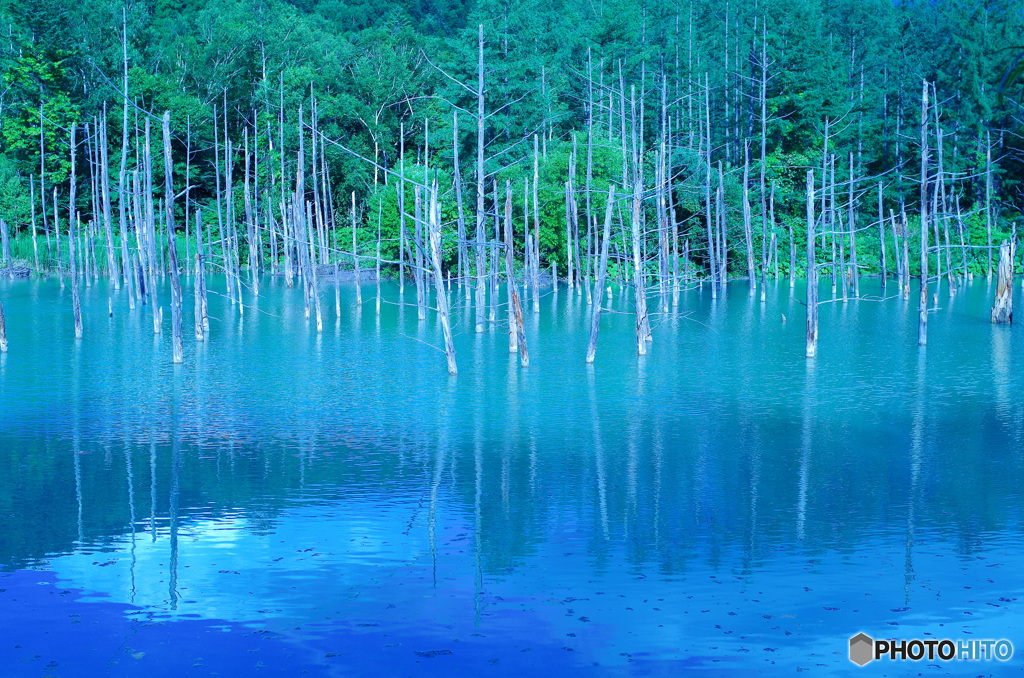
(711, 114)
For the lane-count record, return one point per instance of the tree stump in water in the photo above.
(1002, 309)
(3, 330)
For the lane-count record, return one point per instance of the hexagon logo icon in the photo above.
(861, 649)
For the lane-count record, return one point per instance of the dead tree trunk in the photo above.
(639, 292)
(852, 225)
(105, 188)
(881, 236)
(747, 226)
(172, 247)
(922, 324)
(595, 323)
(988, 200)
(200, 283)
(480, 177)
(5, 242)
(1002, 310)
(463, 251)
(3, 330)
(812, 274)
(513, 343)
(72, 240)
(434, 220)
(355, 254)
(151, 231)
(517, 310)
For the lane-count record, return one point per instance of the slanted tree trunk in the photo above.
(434, 221)
(517, 310)
(1002, 310)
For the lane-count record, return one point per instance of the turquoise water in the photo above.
(336, 503)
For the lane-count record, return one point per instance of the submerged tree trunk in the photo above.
(479, 246)
(5, 243)
(595, 323)
(1002, 310)
(812, 273)
(3, 330)
(72, 239)
(172, 247)
(434, 221)
(922, 324)
(199, 285)
(513, 343)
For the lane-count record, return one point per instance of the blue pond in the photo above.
(293, 503)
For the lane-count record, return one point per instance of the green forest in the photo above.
(710, 113)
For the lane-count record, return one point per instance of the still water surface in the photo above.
(336, 503)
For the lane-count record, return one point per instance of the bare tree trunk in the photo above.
(747, 226)
(712, 263)
(595, 323)
(1002, 310)
(3, 330)
(852, 223)
(535, 248)
(510, 281)
(72, 238)
(151, 231)
(172, 247)
(495, 258)
(480, 178)
(434, 218)
(32, 201)
(881, 236)
(517, 310)
(639, 292)
(812, 273)
(922, 325)
(764, 133)
(200, 282)
(904, 259)
(312, 281)
(463, 250)
(5, 243)
(355, 254)
(988, 200)
(419, 270)
(112, 270)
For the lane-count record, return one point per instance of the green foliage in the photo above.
(379, 73)
(14, 196)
